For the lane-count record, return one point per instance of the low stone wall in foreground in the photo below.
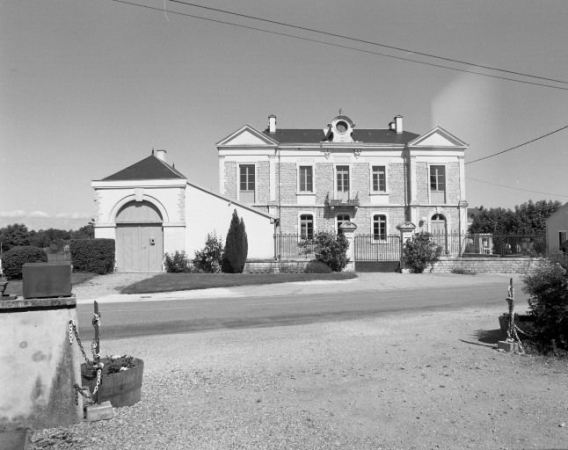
(486, 265)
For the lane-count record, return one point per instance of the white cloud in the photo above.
(75, 215)
(37, 214)
(14, 213)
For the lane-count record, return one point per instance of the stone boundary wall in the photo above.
(487, 265)
(275, 266)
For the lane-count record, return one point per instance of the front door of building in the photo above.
(139, 238)
(439, 231)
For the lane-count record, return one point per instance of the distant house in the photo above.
(150, 208)
(557, 231)
(318, 178)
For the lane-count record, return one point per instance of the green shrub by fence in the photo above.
(93, 255)
(16, 257)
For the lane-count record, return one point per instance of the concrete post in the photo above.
(39, 367)
(406, 232)
(348, 230)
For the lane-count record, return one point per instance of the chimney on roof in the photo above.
(398, 124)
(161, 154)
(272, 124)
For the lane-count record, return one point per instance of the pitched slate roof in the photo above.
(308, 136)
(150, 168)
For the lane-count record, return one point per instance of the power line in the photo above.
(391, 47)
(517, 146)
(400, 58)
(515, 188)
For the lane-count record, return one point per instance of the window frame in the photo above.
(379, 239)
(240, 167)
(301, 225)
(373, 172)
(336, 180)
(436, 192)
(300, 179)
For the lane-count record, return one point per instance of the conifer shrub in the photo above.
(420, 252)
(16, 257)
(236, 246)
(93, 255)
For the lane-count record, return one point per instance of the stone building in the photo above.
(150, 208)
(316, 179)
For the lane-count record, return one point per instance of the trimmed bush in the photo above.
(236, 246)
(209, 259)
(93, 255)
(547, 286)
(420, 252)
(329, 249)
(16, 257)
(177, 263)
(317, 267)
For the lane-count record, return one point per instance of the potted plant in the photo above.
(121, 379)
(117, 379)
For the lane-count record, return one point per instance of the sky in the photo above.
(89, 87)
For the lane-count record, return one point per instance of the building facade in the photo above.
(557, 231)
(316, 179)
(150, 209)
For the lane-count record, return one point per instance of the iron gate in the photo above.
(376, 255)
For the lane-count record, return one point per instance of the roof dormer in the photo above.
(340, 129)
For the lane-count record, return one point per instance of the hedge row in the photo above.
(16, 257)
(93, 255)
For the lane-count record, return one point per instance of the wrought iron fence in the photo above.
(292, 246)
(453, 243)
(368, 248)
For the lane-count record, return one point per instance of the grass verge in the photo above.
(169, 282)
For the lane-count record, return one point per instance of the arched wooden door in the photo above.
(439, 231)
(139, 238)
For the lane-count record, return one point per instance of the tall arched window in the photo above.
(306, 226)
(341, 219)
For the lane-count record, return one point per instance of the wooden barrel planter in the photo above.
(122, 388)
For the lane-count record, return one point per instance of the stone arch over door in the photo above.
(439, 231)
(139, 238)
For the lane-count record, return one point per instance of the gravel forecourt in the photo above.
(422, 380)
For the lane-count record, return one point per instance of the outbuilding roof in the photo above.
(150, 168)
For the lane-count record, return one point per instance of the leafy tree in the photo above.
(547, 286)
(177, 263)
(420, 252)
(16, 235)
(210, 259)
(329, 249)
(527, 218)
(236, 246)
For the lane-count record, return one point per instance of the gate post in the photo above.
(406, 231)
(348, 230)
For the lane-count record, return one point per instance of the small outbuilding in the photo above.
(150, 208)
(557, 231)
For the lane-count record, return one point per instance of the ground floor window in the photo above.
(307, 226)
(379, 227)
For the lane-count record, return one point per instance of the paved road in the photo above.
(129, 319)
